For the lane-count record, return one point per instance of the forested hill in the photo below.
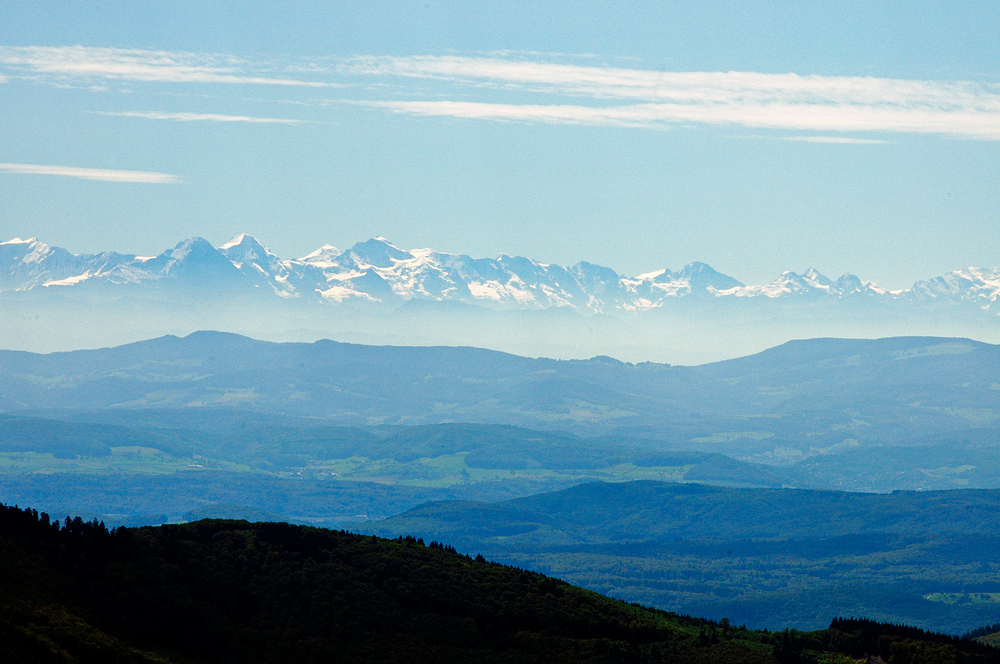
(604, 512)
(770, 558)
(823, 390)
(232, 591)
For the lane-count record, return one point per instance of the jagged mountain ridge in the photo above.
(378, 271)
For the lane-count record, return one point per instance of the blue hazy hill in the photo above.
(889, 389)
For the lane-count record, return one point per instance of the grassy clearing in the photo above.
(964, 598)
(121, 459)
(451, 469)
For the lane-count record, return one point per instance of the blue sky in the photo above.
(853, 137)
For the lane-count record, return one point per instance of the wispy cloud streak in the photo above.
(140, 65)
(659, 99)
(528, 89)
(197, 117)
(651, 85)
(145, 177)
(783, 116)
(841, 140)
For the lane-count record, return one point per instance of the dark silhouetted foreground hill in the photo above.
(233, 591)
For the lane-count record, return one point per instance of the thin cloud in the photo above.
(139, 65)
(775, 101)
(808, 117)
(651, 85)
(105, 175)
(834, 139)
(530, 89)
(198, 117)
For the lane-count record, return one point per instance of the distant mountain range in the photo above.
(818, 397)
(378, 271)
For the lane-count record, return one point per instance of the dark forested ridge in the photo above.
(233, 591)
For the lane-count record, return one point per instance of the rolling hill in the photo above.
(829, 390)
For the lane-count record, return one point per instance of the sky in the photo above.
(758, 137)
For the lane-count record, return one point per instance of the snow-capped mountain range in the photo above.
(378, 271)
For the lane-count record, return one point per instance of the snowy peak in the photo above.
(245, 248)
(810, 284)
(378, 271)
(322, 257)
(27, 264)
(18, 241)
(849, 284)
(696, 279)
(28, 251)
(236, 241)
(972, 284)
(196, 248)
(597, 279)
(703, 279)
(376, 252)
(190, 251)
(798, 284)
(813, 277)
(252, 258)
(193, 263)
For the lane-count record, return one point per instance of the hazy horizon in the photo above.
(754, 139)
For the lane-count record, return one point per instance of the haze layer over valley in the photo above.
(375, 292)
